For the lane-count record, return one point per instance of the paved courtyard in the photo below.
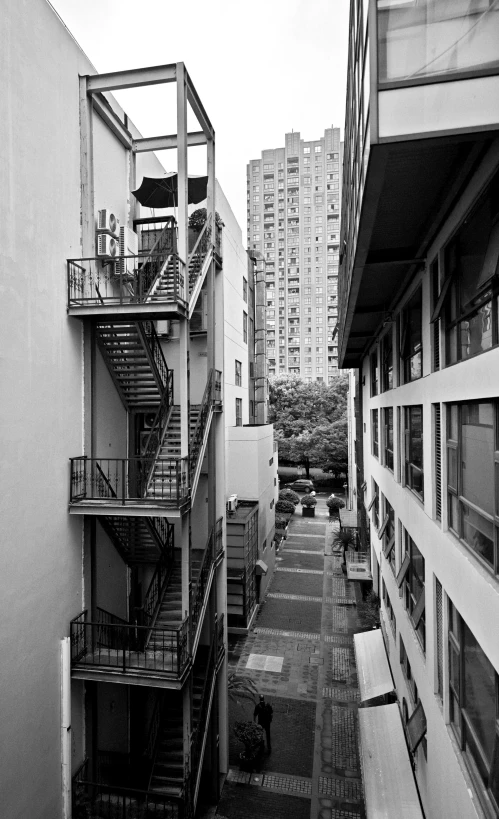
(300, 656)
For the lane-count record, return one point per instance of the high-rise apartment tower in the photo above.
(293, 211)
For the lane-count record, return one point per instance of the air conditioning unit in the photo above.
(129, 246)
(163, 327)
(149, 419)
(108, 221)
(107, 246)
(231, 504)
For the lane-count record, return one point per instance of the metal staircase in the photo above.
(139, 539)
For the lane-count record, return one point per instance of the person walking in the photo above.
(263, 714)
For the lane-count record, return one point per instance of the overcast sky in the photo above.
(261, 68)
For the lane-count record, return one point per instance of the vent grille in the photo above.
(436, 345)
(438, 463)
(438, 606)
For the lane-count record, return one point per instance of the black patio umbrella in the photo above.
(162, 192)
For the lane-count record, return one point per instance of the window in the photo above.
(239, 412)
(245, 327)
(411, 579)
(411, 339)
(387, 362)
(388, 437)
(473, 477)
(374, 505)
(239, 374)
(374, 433)
(413, 449)
(374, 373)
(387, 533)
(469, 291)
(406, 666)
(474, 707)
(389, 610)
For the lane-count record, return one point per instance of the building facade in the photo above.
(293, 210)
(113, 331)
(419, 321)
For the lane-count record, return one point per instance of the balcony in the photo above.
(111, 650)
(422, 109)
(145, 286)
(129, 486)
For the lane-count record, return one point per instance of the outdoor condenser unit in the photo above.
(231, 504)
(129, 246)
(107, 245)
(108, 221)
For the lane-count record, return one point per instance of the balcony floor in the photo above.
(141, 312)
(131, 508)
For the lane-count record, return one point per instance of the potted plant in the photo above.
(308, 503)
(289, 495)
(285, 507)
(368, 610)
(334, 505)
(252, 737)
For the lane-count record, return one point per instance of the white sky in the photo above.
(261, 69)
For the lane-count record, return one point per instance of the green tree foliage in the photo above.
(310, 421)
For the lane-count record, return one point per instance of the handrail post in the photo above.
(123, 464)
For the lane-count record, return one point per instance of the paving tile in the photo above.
(292, 583)
(247, 802)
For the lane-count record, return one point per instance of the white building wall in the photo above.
(445, 785)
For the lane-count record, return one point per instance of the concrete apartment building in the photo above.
(293, 210)
(117, 405)
(419, 320)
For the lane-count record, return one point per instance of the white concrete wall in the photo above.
(41, 581)
(445, 785)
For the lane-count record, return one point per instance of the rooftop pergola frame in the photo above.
(92, 90)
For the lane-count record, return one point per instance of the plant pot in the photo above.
(308, 512)
(248, 762)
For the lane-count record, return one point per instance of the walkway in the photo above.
(300, 656)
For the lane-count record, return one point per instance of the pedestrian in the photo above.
(263, 714)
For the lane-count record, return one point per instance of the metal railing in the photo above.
(133, 279)
(218, 241)
(199, 430)
(111, 643)
(213, 550)
(128, 481)
(198, 254)
(147, 612)
(155, 437)
(112, 802)
(158, 358)
(219, 545)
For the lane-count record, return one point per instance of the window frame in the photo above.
(388, 453)
(409, 439)
(238, 374)
(239, 412)
(375, 433)
(411, 343)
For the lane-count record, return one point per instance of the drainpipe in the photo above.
(66, 727)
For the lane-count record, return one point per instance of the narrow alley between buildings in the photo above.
(300, 656)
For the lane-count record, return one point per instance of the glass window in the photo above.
(245, 327)
(413, 433)
(474, 705)
(239, 371)
(470, 290)
(387, 532)
(387, 361)
(411, 338)
(404, 662)
(412, 582)
(374, 373)
(436, 38)
(388, 437)
(239, 412)
(374, 433)
(473, 477)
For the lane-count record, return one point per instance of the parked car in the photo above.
(301, 485)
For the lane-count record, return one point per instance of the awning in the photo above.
(389, 787)
(375, 678)
(261, 567)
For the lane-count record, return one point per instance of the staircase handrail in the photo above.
(155, 437)
(156, 719)
(163, 533)
(205, 229)
(155, 590)
(198, 592)
(197, 737)
(197, 435)
(158, 359)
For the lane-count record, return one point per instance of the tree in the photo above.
(310, 421)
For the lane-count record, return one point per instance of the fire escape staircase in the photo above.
(138, 539)
(199, 260)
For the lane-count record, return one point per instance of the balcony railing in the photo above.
(129, 280)
(200, 428)
(217, 390)
(127, 481)
(109, 643)
(94, 799)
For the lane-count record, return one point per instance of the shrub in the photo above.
(335, 504)
(346, 539)
(285, 507)
(251, 735)
(198, 218)
(308, 500)
(289, 495)
(368, 610)
(281, 523)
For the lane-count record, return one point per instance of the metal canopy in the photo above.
(389, 786)
(375, 677)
